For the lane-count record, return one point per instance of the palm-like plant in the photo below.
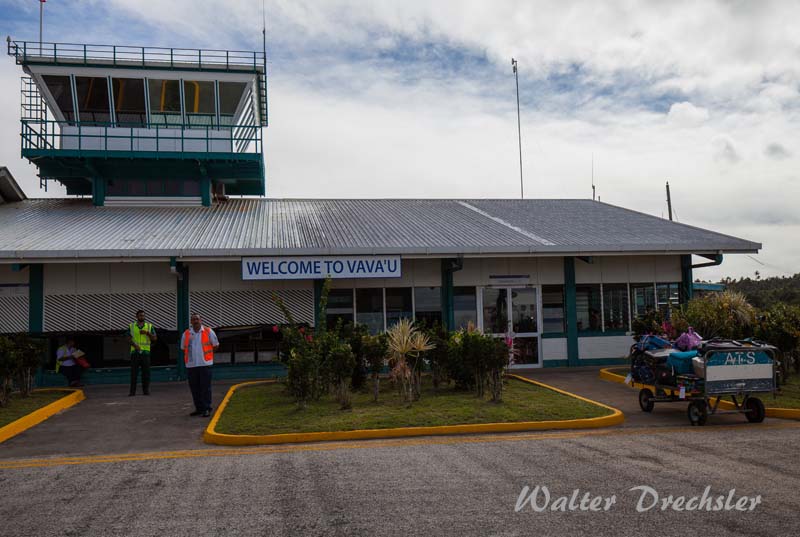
(406, 344)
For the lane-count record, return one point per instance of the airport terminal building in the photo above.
(163, 143)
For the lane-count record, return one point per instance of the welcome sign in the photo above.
(315, 268)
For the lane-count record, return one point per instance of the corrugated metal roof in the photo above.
(67, 228)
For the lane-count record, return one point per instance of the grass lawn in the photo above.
(19, 407)
(267, 409)
(790, 395)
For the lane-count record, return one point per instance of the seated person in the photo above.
(66, 364)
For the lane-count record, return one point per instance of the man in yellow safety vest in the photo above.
(141, 335)
(198, 344)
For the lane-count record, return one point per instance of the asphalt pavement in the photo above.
(115, 466)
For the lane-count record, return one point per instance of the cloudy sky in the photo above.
(417, 99)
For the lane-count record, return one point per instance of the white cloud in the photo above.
(685, 114)
(358, 111)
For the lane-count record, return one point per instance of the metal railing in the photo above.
(136, 140)
(123, 55)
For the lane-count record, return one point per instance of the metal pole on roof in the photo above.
(519, 129)
(41, 18)
(669, 202)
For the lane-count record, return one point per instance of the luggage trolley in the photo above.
(719, 368)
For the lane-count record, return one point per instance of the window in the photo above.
(398, 305)
(668, 296)
(495, 311)
(92, 93)
(553, 309)
(369, 309)
(129, 104)
(587, 303)
(200, 108)
(523, 310)
(615, 306)
(340, 306)
(61, 90)
(165, 102)
(427, 306)
(230, 94)
(643, 298)
(465, 307)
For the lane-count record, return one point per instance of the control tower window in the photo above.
(129, 104)
(199, 99)
(165, 102)
(92, 95)
(61, 90)
(230, 94)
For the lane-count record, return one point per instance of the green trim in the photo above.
(35, 298)
(600, 333)
(157, 155)
(603, 361)
(183, 310)
(687, 290)
(98, 191)
(571, 311)
(555, 363)
(448, 313)
(205, 191)
(319, 322)
(584, 362)
(554, 335)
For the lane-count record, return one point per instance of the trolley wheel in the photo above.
(755, 410)
(646, 400)
(697, 412)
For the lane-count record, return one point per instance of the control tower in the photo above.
(142, 125)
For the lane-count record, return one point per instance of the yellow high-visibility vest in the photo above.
(142, 339)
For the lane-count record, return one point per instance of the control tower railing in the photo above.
(89, 55)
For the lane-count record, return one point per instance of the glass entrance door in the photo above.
(514, 312)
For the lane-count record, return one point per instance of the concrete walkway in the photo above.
(585, 381)
(109, 421)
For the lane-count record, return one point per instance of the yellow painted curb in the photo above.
(210, 436)
(39, 415)
(772, 412)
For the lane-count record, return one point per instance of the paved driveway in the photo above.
(585, 381)
(108, 421)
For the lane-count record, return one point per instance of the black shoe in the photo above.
(196, 413)
(131, 394)
(206, 413)
(146, 393)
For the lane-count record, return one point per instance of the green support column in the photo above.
(686, 278)
(36, 307)
(571, 312)
(98, 191)
(319, 320)
(448, 313)
(183, 309)
(205, 191)
(35, 298)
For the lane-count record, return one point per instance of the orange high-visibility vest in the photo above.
(205, 338)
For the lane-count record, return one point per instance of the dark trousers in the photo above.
(200, 384)
(140, 360)
(72, 372)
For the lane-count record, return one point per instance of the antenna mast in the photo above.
(519, 129)
(593, 187)
(669, 202)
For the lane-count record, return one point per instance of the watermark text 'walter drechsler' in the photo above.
(644, 498)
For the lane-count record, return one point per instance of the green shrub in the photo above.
(478, 362)
(723, 315)
(375, 350)
(780, 326)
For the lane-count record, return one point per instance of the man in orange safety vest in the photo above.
(198, 345)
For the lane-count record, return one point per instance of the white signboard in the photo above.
(314, 268)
